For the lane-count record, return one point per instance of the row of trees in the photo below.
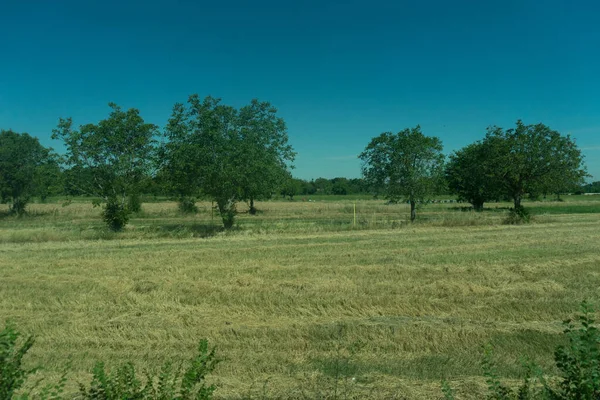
(231, 155)
(336, 186)
(507, 163)
(207, 148)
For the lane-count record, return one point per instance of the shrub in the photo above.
(12, 351)
(579, 361)
(115, 215)
(517, 216)
(187, 205)
(171, 383)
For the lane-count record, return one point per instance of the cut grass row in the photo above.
(407, 307)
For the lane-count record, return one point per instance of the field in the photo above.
(299, 300)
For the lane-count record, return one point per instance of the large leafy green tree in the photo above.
(533, 159)
(226, 154)
(266, 152)
(23, 164)
(202, 153)
(116, 154)
(471, 175)
(406, 166)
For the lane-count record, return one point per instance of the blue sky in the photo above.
(340, 72)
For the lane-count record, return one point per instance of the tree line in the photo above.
(230, 155)
(527, 160)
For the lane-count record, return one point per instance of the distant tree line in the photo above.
(209, 150)
(593, 187)
(337, 186)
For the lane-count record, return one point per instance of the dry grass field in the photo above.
(298, 300)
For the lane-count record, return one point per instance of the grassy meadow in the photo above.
(300, 301)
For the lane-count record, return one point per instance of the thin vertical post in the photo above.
(355, 214)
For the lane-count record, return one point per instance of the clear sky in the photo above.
(340, 72)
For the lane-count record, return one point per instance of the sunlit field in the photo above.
(306, 299)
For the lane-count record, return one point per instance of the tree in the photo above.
(266, 152)
(203, 152)
(323, 185)
(470, 175)
(340, 186)
(291, 187)
(116, 154)
(533, 159)
(226, 154)
(49, 181)
(407, 165)
(592, 187)
(23, 162)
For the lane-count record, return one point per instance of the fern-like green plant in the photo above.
(579, 360)
(12, 351)
(180, 383)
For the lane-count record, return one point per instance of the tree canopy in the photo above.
(533, 159)
(406, 165)
(116, 153)
(226, 154)
(266, 153)
(471, 175)
(24, 165)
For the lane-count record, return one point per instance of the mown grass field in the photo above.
(298, 298)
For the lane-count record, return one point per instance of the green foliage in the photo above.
(115, 155)
(24, 164)
(592, 187)
(579, 360)
(227, 154)
(407, 165)
(115, 214)
(291, 187)
(470, 175)
(12, 351)
(266, 152)
(180, 383)
(533, 159)
(517, 216)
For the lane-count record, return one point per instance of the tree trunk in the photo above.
(413, 210)
(517, 202)
(252, 210)
(18, 206)
(477, 205)
(227, 211)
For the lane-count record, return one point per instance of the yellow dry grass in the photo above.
(297, 295)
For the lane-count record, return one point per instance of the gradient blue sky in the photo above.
(340, 72)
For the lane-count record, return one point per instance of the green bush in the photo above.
(115, 215)
(517, 216)
(579, 360)
(170, 384)
(12, 351)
